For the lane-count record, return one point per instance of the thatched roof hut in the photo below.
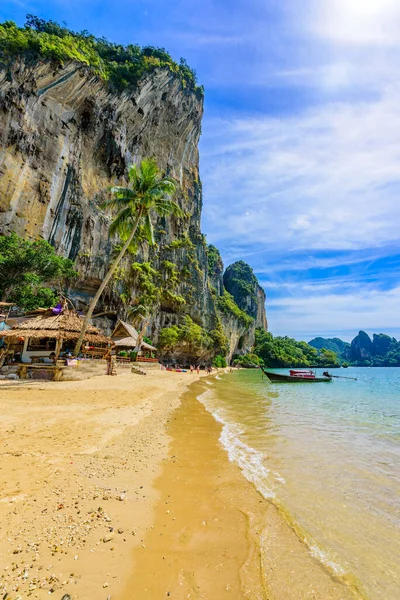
(65, 326)
(126, 336)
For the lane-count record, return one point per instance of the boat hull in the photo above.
(293, 378)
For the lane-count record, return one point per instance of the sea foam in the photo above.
(252, 464)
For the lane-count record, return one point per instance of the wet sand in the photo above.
(213, 536)
(111, 488)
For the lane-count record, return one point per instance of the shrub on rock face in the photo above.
(248, 361)
(219, 362)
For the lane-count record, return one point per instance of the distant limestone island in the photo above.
(381, 351)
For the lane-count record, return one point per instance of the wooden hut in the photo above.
(50, 334)
(125, 337)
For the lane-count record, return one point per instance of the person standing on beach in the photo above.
(191, 369)
(198, 369)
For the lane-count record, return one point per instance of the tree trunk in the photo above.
(141, 335)
(104, 284)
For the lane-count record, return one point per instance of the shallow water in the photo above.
(327, 455)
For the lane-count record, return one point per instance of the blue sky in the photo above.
(300, 153)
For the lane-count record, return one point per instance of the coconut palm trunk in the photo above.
(107, 278)
(141, 335)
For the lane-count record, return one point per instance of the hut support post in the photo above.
(24, 357)
(58, 347)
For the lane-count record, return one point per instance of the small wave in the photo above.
(217, 377)
(249, 460)
(251, 463)
(325, 559)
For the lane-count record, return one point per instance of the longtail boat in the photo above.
(296, 376)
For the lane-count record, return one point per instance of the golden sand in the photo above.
(111, 488)
(77, 468)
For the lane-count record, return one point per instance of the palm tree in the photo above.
(147, 191)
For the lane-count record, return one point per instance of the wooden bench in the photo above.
(25, 367)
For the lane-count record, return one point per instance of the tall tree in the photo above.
(148, 190)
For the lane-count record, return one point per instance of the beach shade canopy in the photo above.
(65, 326)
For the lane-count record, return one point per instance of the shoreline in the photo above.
(118, 487)
(213, 534)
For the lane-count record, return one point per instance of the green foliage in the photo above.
(145, 279)
(171, 273)
(147, 340)
(219, 362)
(336, 344)
(288, 352)
(148, 191)
(25, 267)
(182, 242)
(227, 305)
(248, 361)
(169, 337)
(219, 339)
(175, 300)
(188, 337)
(122, 66)
(240, 281)
(214, 259)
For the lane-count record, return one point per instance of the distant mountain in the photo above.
(381, 351)
(337, 345)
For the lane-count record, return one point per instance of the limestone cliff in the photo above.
(65, 137)
(240, 281)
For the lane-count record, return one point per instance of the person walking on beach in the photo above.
(191, 369)
(198, 369)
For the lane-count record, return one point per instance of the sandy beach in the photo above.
(117, 488)
(77, 471)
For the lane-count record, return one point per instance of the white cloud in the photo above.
(328, 178)
(371, 22)
(322, 314)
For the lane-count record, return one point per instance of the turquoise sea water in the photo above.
(328, 455)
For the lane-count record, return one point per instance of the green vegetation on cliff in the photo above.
(241, 283)
(228, 306)
(31, 274)
(248, 361)
(288, 352)
(121, 66)
(335, 344)
(214, 259)
(192, 340)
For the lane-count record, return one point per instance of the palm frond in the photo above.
(165, 207)
(122, 223)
